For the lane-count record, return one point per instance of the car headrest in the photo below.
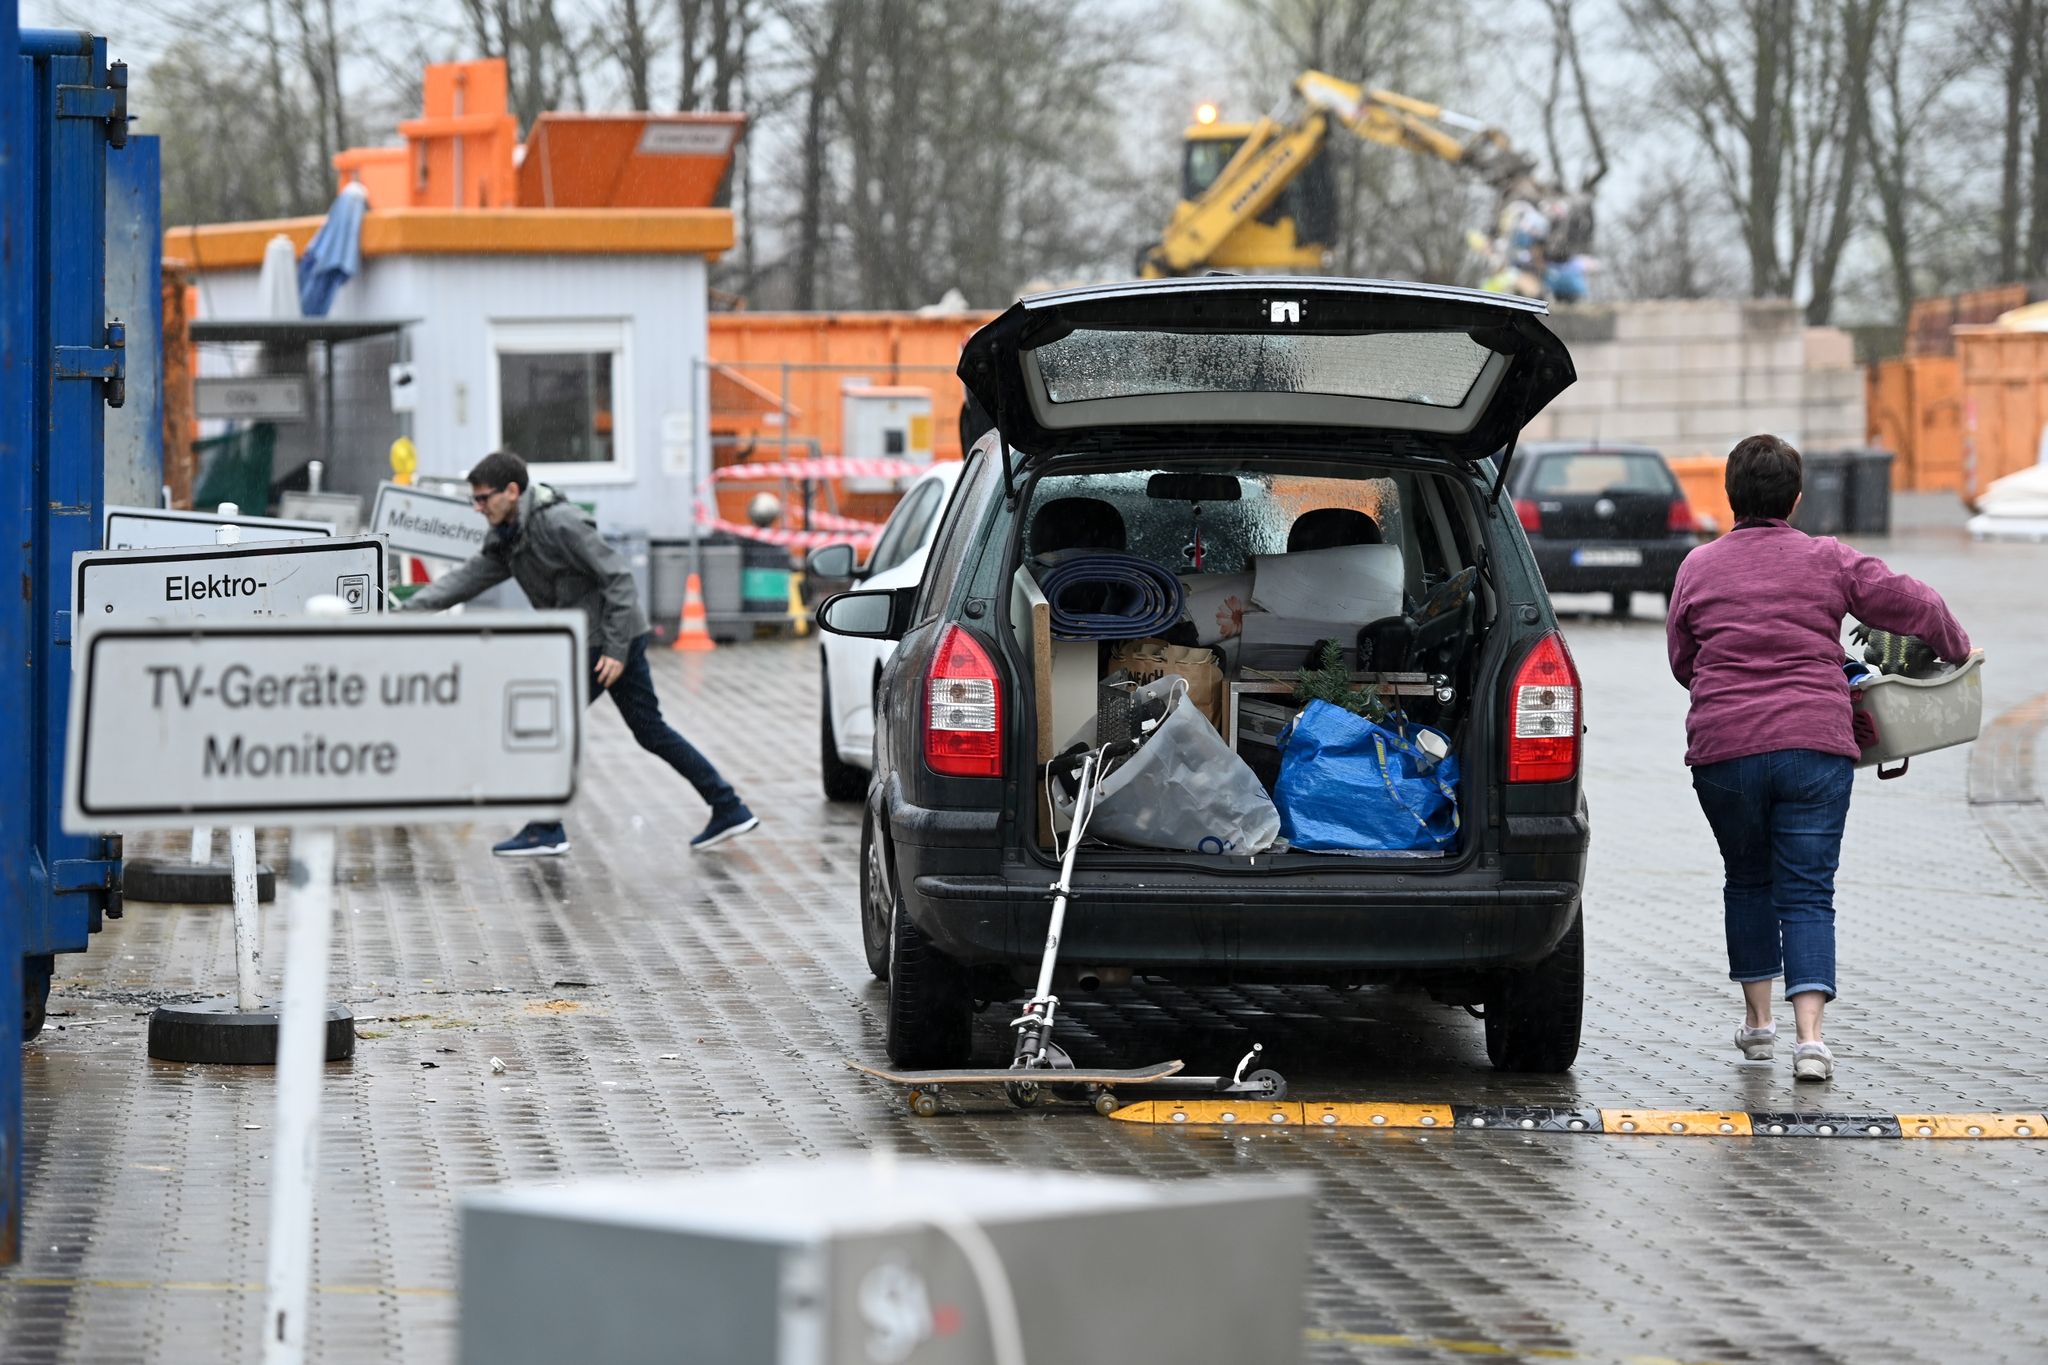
(1328, 527)
(1076, 524)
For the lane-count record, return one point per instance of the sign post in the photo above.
(356, 720)
(294, 1154)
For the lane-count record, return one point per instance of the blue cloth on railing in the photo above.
(1099, 595)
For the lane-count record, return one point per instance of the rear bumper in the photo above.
(1312, 932)
(1657, 572)
(980, 907)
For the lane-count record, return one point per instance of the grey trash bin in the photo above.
(1824, 504)
(1870, 492)
(722, 606)
(668, 572)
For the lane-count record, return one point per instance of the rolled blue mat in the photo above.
(1110, 597)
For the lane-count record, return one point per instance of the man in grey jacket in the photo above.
(548, 544)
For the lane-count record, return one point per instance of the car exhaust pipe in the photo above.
(1092, 979)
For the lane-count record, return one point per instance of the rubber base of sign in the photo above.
(164, 882)
(1613, 1122)
(215, 1033)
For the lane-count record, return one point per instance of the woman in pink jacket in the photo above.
(1755, 633)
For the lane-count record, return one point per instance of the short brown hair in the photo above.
(1763, 478)
(499, 469)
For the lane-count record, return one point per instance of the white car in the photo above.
(846, 721)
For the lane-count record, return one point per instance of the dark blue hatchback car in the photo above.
(1602, 518)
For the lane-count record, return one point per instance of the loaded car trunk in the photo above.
(1068, 688)
(1401, 394)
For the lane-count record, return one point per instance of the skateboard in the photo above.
(1026, 1086)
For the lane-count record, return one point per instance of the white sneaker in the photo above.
(1812, 1062)
(1756, 1043)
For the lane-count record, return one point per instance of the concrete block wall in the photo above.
(1695, 376)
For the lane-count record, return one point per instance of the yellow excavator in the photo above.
(1259, 196)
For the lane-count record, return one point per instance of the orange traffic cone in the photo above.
(693, 636)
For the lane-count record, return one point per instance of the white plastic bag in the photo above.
(1184, 789)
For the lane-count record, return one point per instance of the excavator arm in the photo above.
(1396, 120)
(1279, 147)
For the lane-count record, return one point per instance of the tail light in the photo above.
(1681, 516)
(1543, 715)
(1532, 519)
(963, 730)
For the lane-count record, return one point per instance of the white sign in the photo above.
(365, 721)
(686, 139)
(344, 511)
(226, 582)
(435, 525)
(159, 528)
(270, 398)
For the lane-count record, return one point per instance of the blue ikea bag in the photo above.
(1350, 785)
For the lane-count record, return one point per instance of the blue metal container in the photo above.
(62, 107)
(15, 425)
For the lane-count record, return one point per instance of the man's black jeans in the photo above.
(633, 691)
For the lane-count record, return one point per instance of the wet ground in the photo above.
(659, 1012)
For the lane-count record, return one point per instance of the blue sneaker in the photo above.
(535, 841)
(727, 825)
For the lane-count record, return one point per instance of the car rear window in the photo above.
(1436, 369)
(1162, 530)
(1592, 472)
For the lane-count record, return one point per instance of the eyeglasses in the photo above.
(479, 499)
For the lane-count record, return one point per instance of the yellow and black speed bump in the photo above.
(1250, 1113)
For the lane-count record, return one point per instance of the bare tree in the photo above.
(1673, 242)
(320, 56)
(1906, 138)
(715, 35)
(2037, 222)
(1737, 115)
(1565, 54)
(821, 33)
(1775, 92)
(945, 172)
(542, 64)
(633, 48)
(2009, 29)
(1836, 133)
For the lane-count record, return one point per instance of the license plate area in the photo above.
(1606, 557)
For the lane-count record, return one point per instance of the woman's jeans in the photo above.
(1778, 818)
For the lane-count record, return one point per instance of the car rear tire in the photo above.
(875, 895)
(930, 1023)
(1622, 602)
(843, 781)
(1533, 1014)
